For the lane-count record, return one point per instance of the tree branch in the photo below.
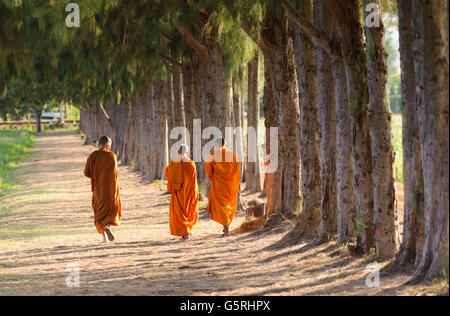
(106, 114)
(193, 41)
(246, 25)
(310, 31)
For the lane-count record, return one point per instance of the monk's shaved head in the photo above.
(184, 149)
(103, 141)
(220, 142)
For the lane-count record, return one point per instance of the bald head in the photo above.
(104, 142)
(184, 150)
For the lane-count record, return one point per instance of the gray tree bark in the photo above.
(253, 178)
(309, 124)
(431, 40)
(385, 202)
(413, 236)
(348, 21)
(327, 121)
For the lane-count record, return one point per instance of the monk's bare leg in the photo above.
(105, 238)
(108, 233)
(226, 231)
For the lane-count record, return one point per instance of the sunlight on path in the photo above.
(46, 229)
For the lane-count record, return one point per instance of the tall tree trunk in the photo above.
(199, 92)
(170, 106)
(327, 121)
(385, 202)
(38, 114)
(239, 135)
(253, 179)
(345, 196)
(413, 237)
(126, 159)
(431, 32)
(278, 51)
(346, 14)
(161, 143)
(309, 125)
(179, 113)
(273, 185)
(189, 107)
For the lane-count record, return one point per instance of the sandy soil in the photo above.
(46, 227)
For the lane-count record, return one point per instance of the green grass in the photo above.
(398, 146)
(14, 147)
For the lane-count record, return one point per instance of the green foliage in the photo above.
(14, 146)
(120, 48)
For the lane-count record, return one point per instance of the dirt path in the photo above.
(46, 225)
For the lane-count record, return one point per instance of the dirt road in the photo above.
(47, 233)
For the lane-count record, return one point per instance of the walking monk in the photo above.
(182, 184)
(224, 172)
(101, 168)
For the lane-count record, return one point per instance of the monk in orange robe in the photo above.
(182, 184)
(224, 172)
(101, 168)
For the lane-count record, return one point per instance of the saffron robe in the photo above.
(101, 168)
(182, 184)
(224, 172)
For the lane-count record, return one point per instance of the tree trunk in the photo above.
(280, 55)
(253, 179)
(273, 185)
(348, 21)
(327, 120)
(345, 196)
(413, 238)
(170, 106)
(179, 113)
(161, 143)
(38, 114)
(431, 40)
(189, 107)
(199, 92)
(309, 125)
(385, 202)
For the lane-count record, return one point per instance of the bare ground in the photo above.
(46, 225)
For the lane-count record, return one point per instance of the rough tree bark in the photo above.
(309, 125)
(253, 179)
(189, 106)
(179, 106)
(413, 238)
(345, 196)
(327, 121)
(385, 202)
(278, 52)
(431, 39)
(346, 15)
(273, 187)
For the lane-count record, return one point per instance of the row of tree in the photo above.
(140, 68)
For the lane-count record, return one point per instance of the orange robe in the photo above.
(182, 184)
(225, 178)
(101, 168)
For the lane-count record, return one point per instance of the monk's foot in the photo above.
(185, 238)
(109, 233)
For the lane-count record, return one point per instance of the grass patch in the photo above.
(14, 147)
